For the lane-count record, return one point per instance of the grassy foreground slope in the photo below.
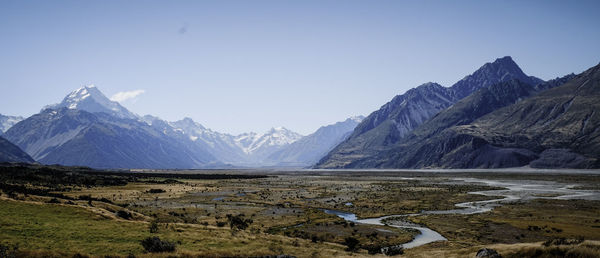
(63, 230)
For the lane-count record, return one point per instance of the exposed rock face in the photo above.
(392, 250)
(397, 118)
(503, 69)
(556, 128)
(422, 146)
(488, 253)
(565, 117)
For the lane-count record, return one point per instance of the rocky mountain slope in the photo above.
(558, 127)
(406, 112)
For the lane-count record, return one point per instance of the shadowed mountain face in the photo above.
(11, 153)
(553, 128)
(394, 120)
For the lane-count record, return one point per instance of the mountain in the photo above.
(76, 137)
(502, 69)
(6, 122)
(309, 149)
(11, 153)
(260, 146)
(420, 148)
(560, 126)
(90, 99)
(395, 119)
(557, 128)
(247, 149)
(88, 129)
(222, 146)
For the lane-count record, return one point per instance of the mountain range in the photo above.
(496, 117)
(86, 128)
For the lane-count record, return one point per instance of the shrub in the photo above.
(238, 221)
(563, 241)
(123, 214)
(8, 251)
(155, 245)
(373, 249)
(154, 190)
(53, 200)
(351, 243)
(153, 227)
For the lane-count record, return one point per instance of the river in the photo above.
(514, 190)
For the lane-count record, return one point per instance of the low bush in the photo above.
(154, 190)
(153, 227)
(155, 245)
(351, 243)
(124, 214)
(238, 221)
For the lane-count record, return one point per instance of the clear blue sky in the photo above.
(238, 66)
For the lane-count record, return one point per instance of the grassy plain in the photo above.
(86, 217)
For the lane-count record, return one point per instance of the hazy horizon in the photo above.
(237, 66)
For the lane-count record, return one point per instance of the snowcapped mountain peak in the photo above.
(279, 129)
(78, 95)
(275, 137)
(89, 98)
(6, 122)
(189, 125)
(357, 119)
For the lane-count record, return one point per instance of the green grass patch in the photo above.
(67, 228)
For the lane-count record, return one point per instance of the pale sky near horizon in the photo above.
(239, 66)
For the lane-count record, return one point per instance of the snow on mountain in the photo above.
(100, 140)
(6, 122)
(308, 150)
(90, 99)
(247, 149)
(221, 145)
(277, 136)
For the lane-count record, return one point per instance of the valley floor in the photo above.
(61, 211)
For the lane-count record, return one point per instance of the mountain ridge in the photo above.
(555, 128)
(405, 112)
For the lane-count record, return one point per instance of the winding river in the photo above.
(516, 190)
